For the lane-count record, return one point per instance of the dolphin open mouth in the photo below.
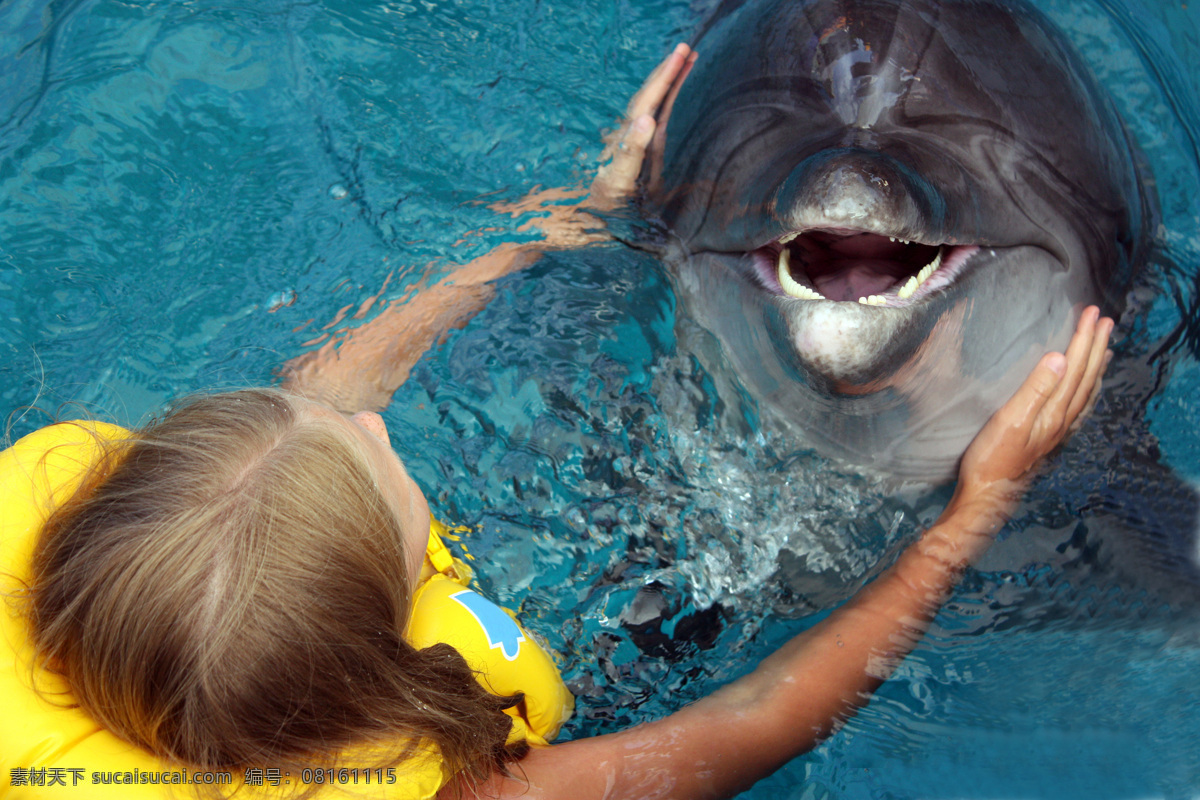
(844, 265)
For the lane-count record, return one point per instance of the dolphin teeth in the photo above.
(789, 284)
(914, 282)
(873, 300)
(929, 268)
(788, 237)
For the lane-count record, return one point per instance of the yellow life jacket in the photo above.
(48, 749)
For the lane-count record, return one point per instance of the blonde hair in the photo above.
(230, 591)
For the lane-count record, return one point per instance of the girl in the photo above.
(235, 587)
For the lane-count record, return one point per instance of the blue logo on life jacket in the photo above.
(499, 627)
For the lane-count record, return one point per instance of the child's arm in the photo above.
(361, 369)
(722, 744)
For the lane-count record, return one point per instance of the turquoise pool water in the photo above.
(190, 192)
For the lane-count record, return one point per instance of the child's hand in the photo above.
(1041, 414)
(566, 224)
(625, 148)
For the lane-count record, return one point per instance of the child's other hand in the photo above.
(1042, 413)
(625, 148)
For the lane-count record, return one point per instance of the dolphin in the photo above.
(887, 210)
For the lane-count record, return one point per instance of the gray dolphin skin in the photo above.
(888, 210)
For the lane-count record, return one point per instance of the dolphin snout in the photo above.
(857, 189)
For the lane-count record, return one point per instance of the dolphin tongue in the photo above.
(850, 280)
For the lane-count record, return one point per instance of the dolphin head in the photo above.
(887, 210)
